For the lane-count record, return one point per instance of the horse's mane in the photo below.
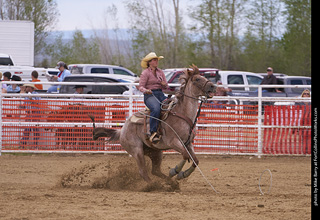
(184, 78)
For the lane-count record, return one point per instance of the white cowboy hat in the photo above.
(150, 56)
(30, 85)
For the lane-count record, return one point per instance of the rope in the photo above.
(270, 181)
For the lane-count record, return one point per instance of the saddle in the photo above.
(167, 107)
(141, 116)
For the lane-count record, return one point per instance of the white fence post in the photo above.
(0, 117)
(130, 99)
(259, 121)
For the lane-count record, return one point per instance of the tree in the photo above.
(296, 42)
(78, 50)
(156, 25)
(43, 13)
(260, 42)
(218, 20)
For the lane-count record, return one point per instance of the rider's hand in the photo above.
(163, 84)
(149, 92)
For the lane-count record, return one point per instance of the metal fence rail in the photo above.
(60, 123)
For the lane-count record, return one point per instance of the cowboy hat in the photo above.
(30, 85)
(79, 86)
(16, 78)
(146, 59)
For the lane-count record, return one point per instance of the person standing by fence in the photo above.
(14, 88)
(61, 75)
(270, 79)
(6, 77)
(32, 115)
(34, 77)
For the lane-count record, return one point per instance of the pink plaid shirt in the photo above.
(149, 81)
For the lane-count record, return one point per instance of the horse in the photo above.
(176, 129)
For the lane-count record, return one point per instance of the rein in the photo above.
(198, 112)
(187, 119)
(194, 124)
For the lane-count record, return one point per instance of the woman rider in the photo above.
(152, 81)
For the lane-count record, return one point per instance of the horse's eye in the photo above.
(197, 79)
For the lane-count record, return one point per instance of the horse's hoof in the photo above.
(172, 172)
(181, 176)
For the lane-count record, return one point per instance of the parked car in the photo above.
(100, 69)
(275, 74)
(6, 60)
(293, 80)
(94, 89)
(240, 78)
(226, 77)
(172, 75)
(285, 92)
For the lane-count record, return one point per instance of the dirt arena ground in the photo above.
(109, 187)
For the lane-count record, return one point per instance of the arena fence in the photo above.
(61, 123)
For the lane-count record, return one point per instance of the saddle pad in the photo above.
(138, 120)
(141, 114)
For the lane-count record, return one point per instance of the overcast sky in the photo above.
(85, 14)
(89, 14)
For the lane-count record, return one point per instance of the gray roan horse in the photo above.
(133, 139)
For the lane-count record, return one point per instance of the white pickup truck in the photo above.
(7, 65)
(228, 78)
(99, 69)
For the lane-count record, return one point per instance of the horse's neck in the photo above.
(188, 107)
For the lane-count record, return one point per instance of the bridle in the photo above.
(199, 87)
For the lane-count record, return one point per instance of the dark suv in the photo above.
(94, 89)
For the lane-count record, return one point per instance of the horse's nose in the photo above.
(211, 87)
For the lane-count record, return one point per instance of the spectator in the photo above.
(270, 79)
(33, 115)
(14, 88)
(1, 78)
(220, 91)
(61, 75)
(79, 90)
(34, 77)
(6, 77)
(305, 94)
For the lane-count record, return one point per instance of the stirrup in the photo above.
(155, 138)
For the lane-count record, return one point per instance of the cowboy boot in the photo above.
(154, 138)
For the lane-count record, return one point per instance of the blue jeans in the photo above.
(153, 102)
(53, 89)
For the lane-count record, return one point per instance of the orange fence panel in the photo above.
(227, 128)
(287, 132)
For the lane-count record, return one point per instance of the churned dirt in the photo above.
(109, 187)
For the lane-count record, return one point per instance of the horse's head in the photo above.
(197, 84)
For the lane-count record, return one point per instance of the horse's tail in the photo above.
(113, 134)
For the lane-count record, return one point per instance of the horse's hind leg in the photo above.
(156, 158)
(138, 155)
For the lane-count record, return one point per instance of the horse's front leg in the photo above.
(179, 166)
(177, 169)
(185, 174)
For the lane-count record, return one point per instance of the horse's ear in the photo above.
(188, 72)
(194, 71)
